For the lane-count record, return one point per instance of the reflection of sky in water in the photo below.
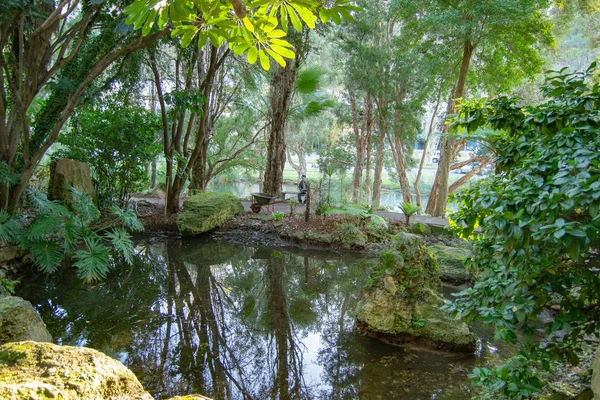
(196, 316)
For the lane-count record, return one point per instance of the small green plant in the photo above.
(292, 204)
(418, 322)
(277, 216)
(57, 232)
(409, 210)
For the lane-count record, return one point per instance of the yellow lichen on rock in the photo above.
(30, 370)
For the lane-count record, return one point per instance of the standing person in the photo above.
(302, 189)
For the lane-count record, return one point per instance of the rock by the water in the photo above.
(450, 260)
(19, 321)
(32, 370)
(595, 385)
(419, 228)
(65, 172)
(403, 303)
(206, 211)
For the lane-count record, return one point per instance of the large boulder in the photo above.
(206, 211)
(402, 303)
(64, 173)
(33, 370)
(450, 260)
(19, 321)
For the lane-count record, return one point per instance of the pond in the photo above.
(234, 322)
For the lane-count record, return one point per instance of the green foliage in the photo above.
(118, 142)
(409, 210)
(55, 233)
(540, 218)
(277, 216)
(363, 213)
(257, 28)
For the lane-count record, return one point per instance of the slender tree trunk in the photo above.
(369, 117)
(379, 159)
(439, 193)
(282, 86)
(418, 178)
(398, 153)
(355, 189)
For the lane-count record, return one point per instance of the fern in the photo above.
(43, 227)
(44, 206)
(92, 263)
(10, 227)
(121, 241)
(84, 206)
(378, 222)
(128, 217)
(47, 255)
(409, 210)
(73, 231)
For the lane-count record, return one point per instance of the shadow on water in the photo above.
(235, 322)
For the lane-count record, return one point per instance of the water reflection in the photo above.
(236, 322)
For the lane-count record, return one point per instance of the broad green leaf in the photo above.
(287, 53)
(294, 18)
(248, 24)
(252, 55)
(276, 57)
(307, 16)
(277, 33)
(264, 60)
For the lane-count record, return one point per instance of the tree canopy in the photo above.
(540, 218)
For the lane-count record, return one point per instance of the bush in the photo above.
(118, 143)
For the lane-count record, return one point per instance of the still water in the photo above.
(235, 322)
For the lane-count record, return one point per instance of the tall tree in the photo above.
(498, 40)
(43, 47)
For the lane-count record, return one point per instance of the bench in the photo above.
(285, 194)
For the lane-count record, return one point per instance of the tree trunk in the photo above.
(282, 86)
(427, 140)
(379, 160)
(360, 148)
(439, 193)
(369, 116)
(398, 153)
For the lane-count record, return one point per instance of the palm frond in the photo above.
(377, 221)
(128, 217)
(10, 227)
(348, 209)
(121, 241)
(44, 227)
(309, 80)
(43, 205)
(47, 254)
(84, 206)
(72, 232)
(92, 262)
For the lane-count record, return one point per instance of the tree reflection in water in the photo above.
(232, 322)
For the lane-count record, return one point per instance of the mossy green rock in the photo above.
(64, 173)
(34, 370)
(420, 229)
(450, 261)
(403, 303)
(19, 321)
(206, 211)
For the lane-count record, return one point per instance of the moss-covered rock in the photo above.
(64, 173)
(34, 370)
(403, 302)
(450, 260)
(419, 228)
(326, 238)
(19, 321)
(206, 211)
